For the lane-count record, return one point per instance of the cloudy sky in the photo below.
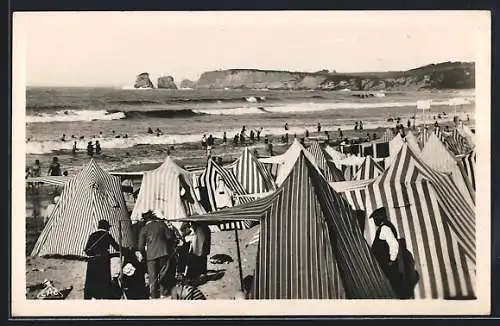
(103, 48)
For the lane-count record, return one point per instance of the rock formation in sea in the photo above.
(186, 83)
(166, 82)
(446, 75)
(142, 81)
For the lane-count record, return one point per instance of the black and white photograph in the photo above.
(332, 162)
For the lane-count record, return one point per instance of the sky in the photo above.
(111, 48)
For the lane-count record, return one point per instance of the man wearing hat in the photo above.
(156, 243)
(98, 277)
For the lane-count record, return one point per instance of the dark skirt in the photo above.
(98, 278)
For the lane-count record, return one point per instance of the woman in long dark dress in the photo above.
(98, 277)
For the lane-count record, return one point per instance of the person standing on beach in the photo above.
(204, 142)
(156, 243)
(36, 169)
(98, 275)
(306, 134)
(200, 249)
(341, 135)
(97, 147)
(356, 125)
(242, 138)
(224, 138)
(90, 149)
(252, 136)
(360, 125)
(74, 148)
(55, 167)
(258, 133)
(319, 127)
(286, 125)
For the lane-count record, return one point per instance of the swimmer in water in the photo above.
(63, 138)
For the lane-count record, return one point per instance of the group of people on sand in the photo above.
(35, 170)
(165, 261)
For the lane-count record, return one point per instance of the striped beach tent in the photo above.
(353, 191)
(368, 170)
(169, 191)
(466, 132)
(412, 141)
(220, 189)
(310, 246)
(432, 215)
(251, 173)
(457, 143)
(441, 159)
(90, 196)
(329, 170)
(286, 161)
(335, 156)
(468, 163)
(425, 132)
(394, 146)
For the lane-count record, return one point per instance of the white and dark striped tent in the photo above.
(466, 132)
(335, 156)
(284, 163)
(412, 141)
(251, 173)
(424, 134)
(394, 146)
(353, 191)
(432, 215)
(169, 191)
(216, 182)
(468, 163)
(90, 196)
(368, 170)
(328, 168)
(441, 159)
(310, 246)
(457, 143)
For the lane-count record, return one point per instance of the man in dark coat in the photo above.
(394, 259)
(98, 277)
(200, 249)
(157, 244)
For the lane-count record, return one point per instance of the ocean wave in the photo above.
(74, 115)
(233, 111)
(92, 115)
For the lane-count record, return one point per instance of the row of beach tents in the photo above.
(312, 223)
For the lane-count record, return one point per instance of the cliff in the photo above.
(166, 82)
(447, 75)
(142, 81)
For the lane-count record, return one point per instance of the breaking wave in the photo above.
(93, 115)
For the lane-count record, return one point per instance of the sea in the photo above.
(120, 118)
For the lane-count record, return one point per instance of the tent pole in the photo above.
(239, 258)
(120, 277)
